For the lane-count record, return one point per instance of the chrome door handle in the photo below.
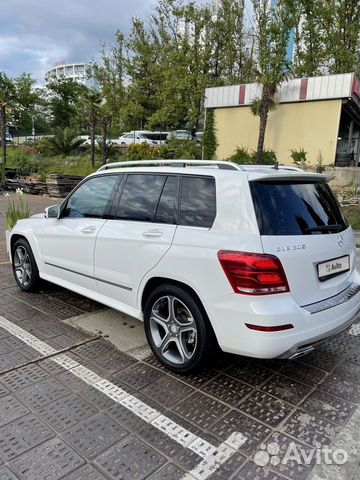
(153, 233)
(88, 230)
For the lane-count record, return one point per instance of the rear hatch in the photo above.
(301, 222)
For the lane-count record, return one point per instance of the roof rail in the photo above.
(223, 165)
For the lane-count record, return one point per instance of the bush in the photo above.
(142, 152)
(243, 156)
(299, 157)
(181, 149)
(269, 157)
(20, 161)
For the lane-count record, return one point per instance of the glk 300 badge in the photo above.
(291, 248)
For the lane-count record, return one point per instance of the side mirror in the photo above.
(52, 212)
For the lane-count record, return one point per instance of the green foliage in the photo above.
(274, 22)
(299, 157)
(63, 100)
(17, 209)
(269, 157)
(257, 103)
(182, 149)
(341, 20)
(141, 152)
(243, 156)
(20, 160)
(63, 142)
(209, 141)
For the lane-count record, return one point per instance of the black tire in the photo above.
(26, 273)
(201, 349)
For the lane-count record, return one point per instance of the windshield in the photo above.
(296, 208)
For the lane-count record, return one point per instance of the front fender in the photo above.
(24, 228)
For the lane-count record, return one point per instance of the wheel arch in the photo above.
(154, 282)
(33, 245)
(13, 240)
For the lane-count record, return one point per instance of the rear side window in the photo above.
(288, 208)
(140, 197)
(198, 202)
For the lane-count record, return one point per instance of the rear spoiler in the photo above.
(291, 177)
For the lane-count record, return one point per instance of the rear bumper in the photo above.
(228, 316)
(310, 345)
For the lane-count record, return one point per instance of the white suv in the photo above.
(259, 261)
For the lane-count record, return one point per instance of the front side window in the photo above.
(198, 202)
(140, 197)
(91, 198)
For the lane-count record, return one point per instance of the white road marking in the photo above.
(355, 329)
(214, 460)
(213, 457)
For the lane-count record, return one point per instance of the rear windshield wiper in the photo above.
(325, 228)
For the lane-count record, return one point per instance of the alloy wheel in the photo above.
(173, 330)
(22, 266)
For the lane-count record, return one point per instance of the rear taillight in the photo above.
(253, 273)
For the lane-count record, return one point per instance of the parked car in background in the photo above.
(199, 137)
(8, 138)
(136, 137)
(98, 140)
(179, 135)
(158, 137)
(256, 260)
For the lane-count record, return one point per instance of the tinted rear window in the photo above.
(284, 208)
(198, 202)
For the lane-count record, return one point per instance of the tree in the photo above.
(274, 23)
(341, 23)
(92, 101)
(63, 101)
(310, 50)
(27, 101)
(184, 48)
(209, 141)
(110, 73)
(7, 96)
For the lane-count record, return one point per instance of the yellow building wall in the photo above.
(313, 126)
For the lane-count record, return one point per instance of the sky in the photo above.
(34, 34)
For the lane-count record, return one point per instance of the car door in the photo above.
(68, 243)
(138, 236)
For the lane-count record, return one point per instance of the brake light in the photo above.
(253, 273)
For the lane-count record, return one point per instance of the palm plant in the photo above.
(274, 22)
(63, 142)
